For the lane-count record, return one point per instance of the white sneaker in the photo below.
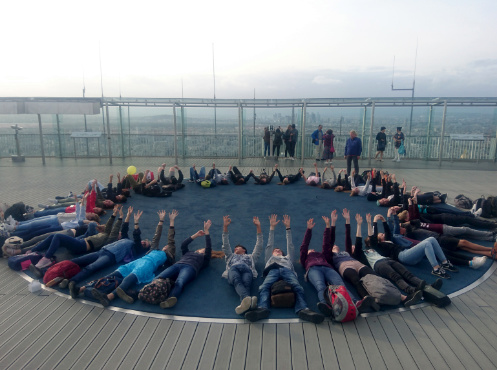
(473, 209)
(44, 262)
(244, 306)
(478, 262)
(478, 213)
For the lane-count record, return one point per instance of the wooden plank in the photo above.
(197, 346)
(313, 350)
(84, 341)
(470, 339)
(11, 302)
(25, 306)
(13, 285)
(137, 348)
(396, 342)
(20, 343)
(100, 340)
(182, 346)
(225, 347)
(123, 346)
(299, 357)
(167, 346)
(328, 351)
(342, 349)
(283, 348)
(354, 341)
(211, 347)
(438, 341)
(45, 347)
(411, 343)
(253, 360)
(368, 344)
(72, 340)
(477, 317)
(388, 354)
(148, 355)
(268, 355)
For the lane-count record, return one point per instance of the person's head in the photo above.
(174, 180)
(383, 128)
(200, 251)
(293, 126)
(320, 127)
(240, 249)
(108, 204)
(121, 198)
(277, 252)
(335, 249)
(399, 129)
(126, 193)
(354, 192)
(381, 237)
(325, 185)
(329, 132)
(240, 181)
(383, 202)
(403, 216)
(263, 180)
(339, 188)
(278, 130)
(313, 183)
(207, 177)
(403, 231)
(145, 244)
(353, 134)
(289, 127)
(286, 181)
(90, 216)
(99, 211)
(310, 250)
(265, 129)
(367, 242)
(224, 181)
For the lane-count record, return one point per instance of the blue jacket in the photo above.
(315, 137)
(353, 146)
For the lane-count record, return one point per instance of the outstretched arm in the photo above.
(289, 242)
(258, 245)
(226, 240)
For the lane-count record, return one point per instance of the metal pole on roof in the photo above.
(58, 135)
(240, 120)
(175, 136)
(364, 123)
(41, 139)
(108, 133)
(370, 141)
(122, 133)
(428, 129)
(442, 134)
(129, 133)
(302, 135)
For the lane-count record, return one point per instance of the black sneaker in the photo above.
(311, 316)
(421, 285)
(257, 314)
(101, 297)
(449, 267)
(122, 294)
(325, 309)
(412, 299)
(365, 304)
(73, 290)
(443, 198)
(440, 273)
(36, 271)
(437, 284)
(63, 284)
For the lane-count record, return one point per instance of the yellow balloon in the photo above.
(131, 170)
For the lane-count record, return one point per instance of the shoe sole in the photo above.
(414, 300)
(315, 318)
(168, 303)
(97, 295)
(244, 306)
(54, 281)
(122, 294)
(35, 270)
(325, 309)
(253, 316)
(72, 290)
(63, 284)
(253, 304)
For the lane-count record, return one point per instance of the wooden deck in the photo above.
(44, 330)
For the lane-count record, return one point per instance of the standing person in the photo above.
(278, 140)
(353, 150)
(328, 148)
(381, 138)
(317, 140)
(267, 141)
(287, 139)
(294, 137)
(398, 140)
(280, 267)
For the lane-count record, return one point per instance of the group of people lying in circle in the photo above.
(410, 232)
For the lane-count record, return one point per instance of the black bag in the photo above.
(462, 201)
(485, 205)
(17, 262)
(493, 203)
(282, 295)
(105, 285)
(155, 292)
(436, 297)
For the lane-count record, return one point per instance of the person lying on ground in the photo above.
(330, 182)
(288, 179)
(240, 266)
(217, 176)
(280, 267)
(314, 178)
(236, 176)
(263, 178)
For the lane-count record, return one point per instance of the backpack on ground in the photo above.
(462, 201)
(337, 297)
(282, 295)
(155, 292)
(485, 205)
(382, 290)
(12, 246)
(493, 202)
(64, 269)
(435, 296)
(105, 285)
(22, 261)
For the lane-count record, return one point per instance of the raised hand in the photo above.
(273, 221)
(207, 226)
(256, 221)
(346, 214)
(286, 221)
(226, 221)
(137, 215)
(162, 215)
(368, 218)
(130, 210)
(358, 218)
(326, 221)
(173, 214)
(121, 213)
(334, 216)
(310, 223)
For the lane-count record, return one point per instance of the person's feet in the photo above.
(421, 285)
(244, 306)
(447, 266)
(325, 309)
(365, 304)
(437, 284)
(168, 303)
(478, 262)
(257, 314)
(253, 304)
(122, 294)
(440, 272)
(311, 316)
(63, 284)
(54, 281)
(73, 290)
(35, 271)
(101, 297)
(44, 262)
(412, 299)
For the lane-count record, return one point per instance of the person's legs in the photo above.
(265, 289)
(236, 171)
(475, 248)
(414, 255)
(202, 173)
(385, 269)
(406, 274)
(465, 231)
(128, 282)
(290, 277)
(193, 174)
(317, 278)
(237, 276)
(356, 164)
(101, 261)
(48, 212)
(471, 221)
(349, 164)
(186, 274)
(170, 273)
(352, 277)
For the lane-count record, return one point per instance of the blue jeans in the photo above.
(183, 275)
(321, 276)
(194, 176)
(53, 242)
(429, 248)
(240, 276)
(127, 282)
(92, 262)
(38, 226)
(289, 276)
(49, 212)
(266, 149)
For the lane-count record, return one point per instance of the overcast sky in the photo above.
(282, 49)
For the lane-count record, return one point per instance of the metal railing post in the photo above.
(370, 141)
(302, 134)
(183, 151)
(428, 138)
(58, 135)
(122, 133)
(364, 124)
(108, 133)
(240, 123)
(442, 134)
(41, 140)
(175, 135)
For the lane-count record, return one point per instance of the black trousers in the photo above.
(398, 274)
(351, 158)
